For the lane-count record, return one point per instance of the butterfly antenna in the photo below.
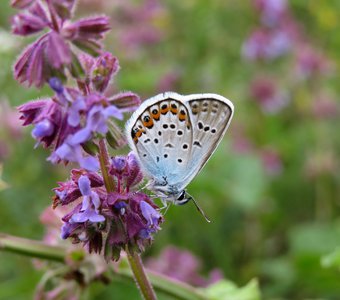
(200, 209)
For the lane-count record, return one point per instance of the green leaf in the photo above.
(90, 148)
(227, 290)
(76, 68)
(332, 259)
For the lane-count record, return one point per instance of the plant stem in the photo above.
(31, 248)
(104, 166)
(141, 279)
(134, 259)
(36, 249)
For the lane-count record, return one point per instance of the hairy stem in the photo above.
(141, 279)
(104, 166)
(134, 259)
(31, 248)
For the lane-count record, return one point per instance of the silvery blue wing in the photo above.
(173, 137)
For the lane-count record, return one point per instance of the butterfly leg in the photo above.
(146, 185)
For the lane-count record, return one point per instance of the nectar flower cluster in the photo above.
(108, 220)
(51, 54)
(71, 119)
(100, 209)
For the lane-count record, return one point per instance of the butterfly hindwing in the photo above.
(210, 117)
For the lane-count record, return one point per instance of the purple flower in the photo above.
(25, 24)
(135, 174)
(125, 101)
(131, 218)
(153, 218)
(69, 191)
(46, 115)
(20, 4)
(74, 113)
(105, 67)
(96, 122)
(90, 205)
(70, 120)
(64, 8)
(56, 84)
(29, 66)
(51, 54)
(69, 151)
(58, 51)
(92, 28)
(119, 167)
(43, 129)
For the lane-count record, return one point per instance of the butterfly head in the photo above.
(170, 193)
(182, 198)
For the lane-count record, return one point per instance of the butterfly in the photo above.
(173, 137)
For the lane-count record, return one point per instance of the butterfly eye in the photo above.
(181, 196)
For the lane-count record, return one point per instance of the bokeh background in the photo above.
(272, 187)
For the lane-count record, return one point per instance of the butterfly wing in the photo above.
(160, 133)
(210, 115)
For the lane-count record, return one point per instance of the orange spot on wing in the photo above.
(174, 110)
(164, 110)
(182, 115)
(139, 133)
(148, 123)
(156, 116)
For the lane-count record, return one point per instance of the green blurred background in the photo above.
(272, 187)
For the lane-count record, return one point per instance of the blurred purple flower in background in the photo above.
(10, 129)
(325, 107)
(241, 143)
(272, 11)
(169, 81)
(310, 62)
(264, 44)
(182, 265)
(270, 98)
(271, 161)
(138, 24)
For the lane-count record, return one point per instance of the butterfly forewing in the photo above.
(210, 117)
(161, 134)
